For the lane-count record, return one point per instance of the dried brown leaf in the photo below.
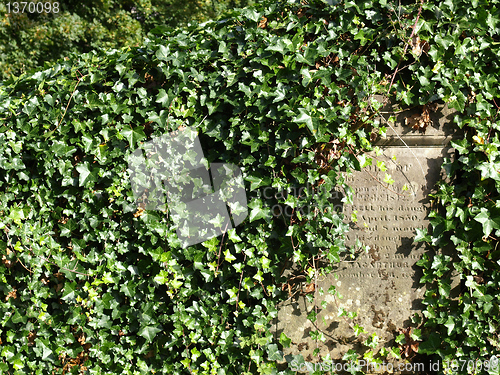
(423, 120)
(418, 46)
(263, 23)
(139, 212)
(310, 288)
(12, 294)
(6, 262)
(414, 346)
(31, 338)
(81, 339)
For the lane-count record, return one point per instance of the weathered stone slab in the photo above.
(382, 285)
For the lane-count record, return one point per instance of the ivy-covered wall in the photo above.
(92, 283)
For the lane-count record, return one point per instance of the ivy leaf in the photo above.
(431, 345)
(256, 210)
(257, 181)
(42, 347)
(149, 332)
(17, 214)
(164, 98)
(461, 146)
(395, 352)
(257, 213)
(358, 330)
(68, 228)
(233, 236)
(87, 173)
(309, 56)
(305, 118)
(69, 291)
(228, 256)
(422, 235)
(128, 289)
(492, 21)
(162, 277)
(388, 179)
(381, 165)
(163, 53)
(488, 223)
(400, 339)
(273, 353)
(312, 316)
(251, 14)
(416, 334)
(365, 161)
(280, 46)
(133, 135)
(285, 340)
(31, 106)
(351, 355)
(489, 170)
(121, 69)
(444, 288)
(450, 324)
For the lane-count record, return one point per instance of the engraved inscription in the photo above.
(386, 222)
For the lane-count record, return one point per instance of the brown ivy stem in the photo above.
(45, 259)
(376, 179)
(63, 268)
(22, 264)
(239, 286)
(291, 295)
(380, 182)
(496, 105)
(69, 101)
(398, 111)
(406, 45)
(401, 139)
(264, 289)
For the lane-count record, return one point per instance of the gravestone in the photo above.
(381, 285)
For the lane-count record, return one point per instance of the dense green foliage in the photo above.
(137, 301)
(32, 40)
(90, 281)
(463, 68)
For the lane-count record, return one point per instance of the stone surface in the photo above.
(381, 285)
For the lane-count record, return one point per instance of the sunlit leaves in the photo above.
(388, 179)
(133, 135)
(149, 332)
(86, 173)
(488, 221)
